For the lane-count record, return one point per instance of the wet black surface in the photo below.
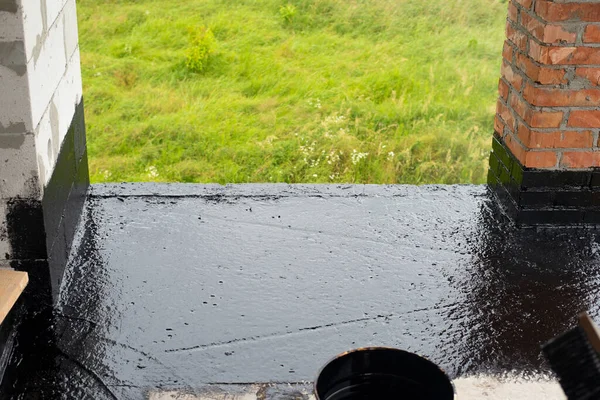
(176, 286)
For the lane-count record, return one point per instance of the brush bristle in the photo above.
(576, 364)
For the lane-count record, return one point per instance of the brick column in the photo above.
(43, 162)
(545, 153)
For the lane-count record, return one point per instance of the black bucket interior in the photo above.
(382, 373)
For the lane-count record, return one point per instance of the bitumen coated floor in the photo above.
(175, 288)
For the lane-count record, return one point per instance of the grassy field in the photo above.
(366, 91)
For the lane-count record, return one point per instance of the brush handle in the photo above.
(591, 330)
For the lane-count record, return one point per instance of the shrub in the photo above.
(288, 12)
(201, 46)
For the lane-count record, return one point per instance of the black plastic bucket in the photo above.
(381, 373)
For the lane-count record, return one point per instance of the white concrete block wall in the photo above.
(35, 25)
(39, 18)
(70, 26)
(40, 87)
(54, 9)
(11, 27)
(15, 109)
(14, 104)
(18, 176)
(53, 127)
(56, 77)
(42, 100)
(46, 70)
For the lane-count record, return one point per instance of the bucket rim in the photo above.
(377, 348)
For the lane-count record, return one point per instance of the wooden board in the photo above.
(12, 284)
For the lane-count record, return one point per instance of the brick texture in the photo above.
(526, 4)
(554, 11)
(503, 89)
(548, 112)
(591, 34)
(592, 75)
(584, 119)
(580, 159)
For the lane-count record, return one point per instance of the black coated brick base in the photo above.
(543, 197)
(25, 228)
(41, 232)
(64, 196)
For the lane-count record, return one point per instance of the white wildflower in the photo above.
(316, 104)
(332, 157)
(357, 156)
(390, 156)
(106, 174)
(332, 120)
(152, 172)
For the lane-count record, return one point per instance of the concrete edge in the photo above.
(136, 189)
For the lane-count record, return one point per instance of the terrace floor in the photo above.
(194, 291)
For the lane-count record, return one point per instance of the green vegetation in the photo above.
(369, 91)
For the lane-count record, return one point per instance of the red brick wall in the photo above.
(548, 110)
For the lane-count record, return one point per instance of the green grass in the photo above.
(365, 91)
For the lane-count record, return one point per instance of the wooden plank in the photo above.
(12, 284)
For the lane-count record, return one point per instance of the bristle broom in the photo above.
(576, 363)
